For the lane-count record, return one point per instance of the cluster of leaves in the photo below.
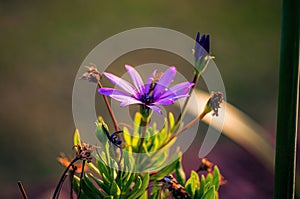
(112, 173)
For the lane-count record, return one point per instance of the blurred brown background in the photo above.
(43, 44)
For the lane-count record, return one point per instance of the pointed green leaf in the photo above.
(89, 188)
(143, 187)
(136, 188)
(144, 196)
(115, 190)
(127, 136)
(171, 120)
(164, 171)
(180, 172)
(192, 184)
(216, 178)
(76, 138)
(202, 186)
(210, 193)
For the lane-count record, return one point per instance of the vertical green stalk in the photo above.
(146, 114)
(288, 97)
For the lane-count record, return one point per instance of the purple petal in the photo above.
(179, 97)
(155, 108)
(111, 91)
(136, 79)
(164, 81)
(125, 100)
(120, 96)
(121, 83)
(164, 102)
(149, 81)
(179, 89)
(129, 101)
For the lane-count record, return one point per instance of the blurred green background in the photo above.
(43, 43)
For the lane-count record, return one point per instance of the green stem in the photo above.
(184, 108)
(288, 96)
(146, 113)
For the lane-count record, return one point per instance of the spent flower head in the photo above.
(214, 102)
(92, 74)
(152, 94)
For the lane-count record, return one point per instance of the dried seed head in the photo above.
(84, 152)
(92, 74)
(214, 102)
(65, 161)
(205, 165)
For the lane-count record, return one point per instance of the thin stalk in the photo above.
(72, 173)
(62, 179)
(288, 99)
(81, 176)
(112, 115)
(184, 108)
(189, 125)
(21, 187)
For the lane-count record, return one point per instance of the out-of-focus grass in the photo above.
(43, 44)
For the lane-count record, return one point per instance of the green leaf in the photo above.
(180, 172)
(210, 193)
(115, 190)
(129, 182)
(155, 192)
(202, 186)
(144, 196)
(209, 179)
(136, 188)
(164, 171)
(102, 168)
(143, 188)
(137, 123)
(127, 136)
(89, 188)
(102, 131)
(92, 167)
(216, 178)
(76, 138)
(171, 120)
(192, 184)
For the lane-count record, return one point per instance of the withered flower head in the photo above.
(205, 165)
(65, 161)
(84, 152)
(92, 74)
(214, 102)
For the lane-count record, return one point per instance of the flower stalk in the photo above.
(202, 58)
(288, 99)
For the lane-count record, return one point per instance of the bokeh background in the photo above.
(44, 42)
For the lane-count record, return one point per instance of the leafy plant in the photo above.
(137, 162)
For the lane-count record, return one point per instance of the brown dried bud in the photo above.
(214, 102)
(92, 74)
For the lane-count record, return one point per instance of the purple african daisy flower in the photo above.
(152, 94)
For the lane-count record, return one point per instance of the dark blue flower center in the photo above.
(147, 99)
